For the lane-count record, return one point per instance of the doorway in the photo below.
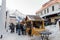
(59, 24)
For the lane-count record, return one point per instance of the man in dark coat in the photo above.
(12, 27)
(18, 28)
(22, 29)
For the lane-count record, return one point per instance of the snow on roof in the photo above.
(34, 17)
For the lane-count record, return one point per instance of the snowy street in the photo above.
(29, 19)
(55, 33)
(14, 36)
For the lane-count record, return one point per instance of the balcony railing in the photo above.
(50, 13)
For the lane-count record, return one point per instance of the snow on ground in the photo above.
(52, 28)
(55, 33)
(14, 36)
(55, 36)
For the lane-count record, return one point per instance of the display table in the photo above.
(45, 35)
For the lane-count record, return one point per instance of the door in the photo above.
(59, 24)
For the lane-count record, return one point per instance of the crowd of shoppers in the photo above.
(12, 27)
(20, 28)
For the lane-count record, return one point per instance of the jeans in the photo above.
(18, 31)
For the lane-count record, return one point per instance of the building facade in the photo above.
(50, 11)
(15, 16)
(2, 17)
(12, 19)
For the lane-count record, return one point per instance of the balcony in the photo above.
(50, 13)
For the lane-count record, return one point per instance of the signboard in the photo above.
(52, 20)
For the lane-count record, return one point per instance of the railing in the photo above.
(50, 13)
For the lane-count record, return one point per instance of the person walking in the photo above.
(18, 29)
(12, 27)
(24, 29)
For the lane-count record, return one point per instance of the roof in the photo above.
(12, 16)
(49, 3)
(34, 17)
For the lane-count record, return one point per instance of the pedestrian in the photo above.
(24, 29)
(18, 29)
(30, 30)
(12, 27)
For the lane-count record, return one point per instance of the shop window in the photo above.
(52, 8)
(37, 24)
(41, 13)
(47, 10)
(59, 6)
(59, 24)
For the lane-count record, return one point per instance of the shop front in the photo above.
(51, 19)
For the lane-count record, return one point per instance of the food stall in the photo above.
(34, 24)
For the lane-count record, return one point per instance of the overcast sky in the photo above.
(25, 6)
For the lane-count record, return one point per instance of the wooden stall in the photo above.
(34, 25)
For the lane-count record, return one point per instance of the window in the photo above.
(58, 14)
(59, 6)
(52, 8)
(41, 13)
(37, 14)
(47, 10)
